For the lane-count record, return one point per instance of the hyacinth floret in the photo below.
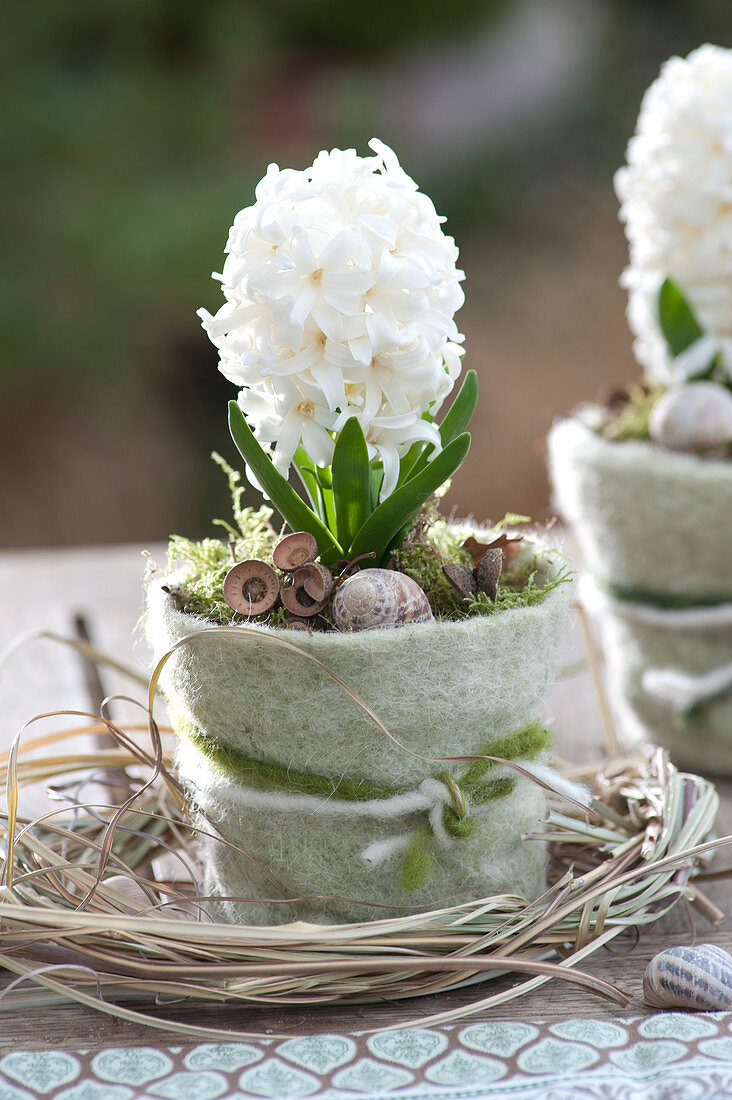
(341, 289)
(676, 202)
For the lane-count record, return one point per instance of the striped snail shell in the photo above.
(375, 599)
(689, 977)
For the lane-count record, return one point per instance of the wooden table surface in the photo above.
(47, 589)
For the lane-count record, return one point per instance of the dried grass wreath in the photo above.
(100, 902)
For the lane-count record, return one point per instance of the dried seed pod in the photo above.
(251, 587)
(296, 549)
(295, 622)
(314, 623)
(696, 416)
(317, 580)
(488, 570)
(475, 549)
(298, 601)
(461, 578)
(510, 544)
(376, 599)
(689, 977)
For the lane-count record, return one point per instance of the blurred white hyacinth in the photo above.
(676, 202)
(340, 290)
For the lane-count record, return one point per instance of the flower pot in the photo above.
(330, 808)
(655, 531)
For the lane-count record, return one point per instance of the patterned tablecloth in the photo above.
(669, 1055)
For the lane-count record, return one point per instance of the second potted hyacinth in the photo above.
(646, 478)
(329, 673)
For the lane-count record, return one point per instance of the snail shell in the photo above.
(692, 417)
(375, 599)
(689, 977)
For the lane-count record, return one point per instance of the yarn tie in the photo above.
(684, 691)
(457, 800)
(446, 807)
(443, 798)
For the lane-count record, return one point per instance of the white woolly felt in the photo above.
(352, 852)
(645, 517)
(442, 688)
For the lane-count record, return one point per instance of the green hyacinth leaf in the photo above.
(377, 480)
(455, 423)
(408, 461)
(351, 475)
(288, 503)
(398, 510)
(306, 473)
(678, 322)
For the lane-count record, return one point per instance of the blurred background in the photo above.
(135, 129)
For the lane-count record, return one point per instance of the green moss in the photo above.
(428, 546)
(631, 421)
(432, 543)
(202, 565)
(521, 593)
(255, 527)
(196, 557)
(201, 588)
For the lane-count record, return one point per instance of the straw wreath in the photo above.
(91, 912)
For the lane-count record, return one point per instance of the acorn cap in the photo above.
(299, 548)
(461, 578)
(296, 600)
(251, 587)
(488, 570)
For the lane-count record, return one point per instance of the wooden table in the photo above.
(48, 588)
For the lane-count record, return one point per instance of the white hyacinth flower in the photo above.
(341, 290)
(676, 202)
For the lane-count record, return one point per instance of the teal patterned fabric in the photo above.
(671, 1054)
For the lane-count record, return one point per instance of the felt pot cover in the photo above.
(650, 522)
(442, 689)
(655, 531)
